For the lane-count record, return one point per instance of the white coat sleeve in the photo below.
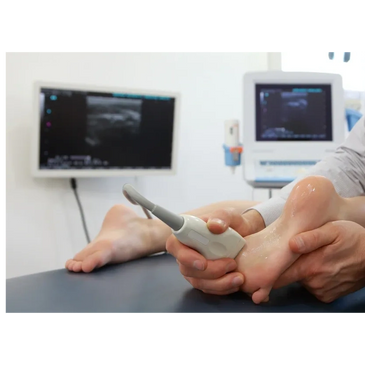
(345, 168)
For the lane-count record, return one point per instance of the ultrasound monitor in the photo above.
(291, 120)
(95, 131)
(293, 112)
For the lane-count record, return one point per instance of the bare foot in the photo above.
(312, 203)
(124, 236)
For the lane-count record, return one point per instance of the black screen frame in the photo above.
(124, 94)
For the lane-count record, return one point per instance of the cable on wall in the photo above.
(74, 188)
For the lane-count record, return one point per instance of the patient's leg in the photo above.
(312, 203)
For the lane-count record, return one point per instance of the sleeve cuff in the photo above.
(269, 210)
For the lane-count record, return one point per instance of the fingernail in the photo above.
(300, 243)
(198, 265)
(237, 281)
(231, 266)
(217, 221)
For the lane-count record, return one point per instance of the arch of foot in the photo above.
(312, 203)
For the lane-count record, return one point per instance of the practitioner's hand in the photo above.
(333, 260)
(218, 276)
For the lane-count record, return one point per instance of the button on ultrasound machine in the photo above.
(291, 121)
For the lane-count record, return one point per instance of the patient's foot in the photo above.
(124, 236)
(312, 203)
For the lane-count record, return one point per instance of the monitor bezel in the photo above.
(328, 137)
(92, 173)
(283, 77)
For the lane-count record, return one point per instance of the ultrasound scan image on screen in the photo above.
(293, 112)
(111, 115)
(93, 130)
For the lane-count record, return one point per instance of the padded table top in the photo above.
(152, 284)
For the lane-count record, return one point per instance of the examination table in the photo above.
(151, 284)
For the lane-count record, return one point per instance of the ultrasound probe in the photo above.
(190, 230)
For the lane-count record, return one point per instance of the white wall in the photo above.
(43, 222)
(352, 72)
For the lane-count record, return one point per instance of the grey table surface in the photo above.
(152, 284)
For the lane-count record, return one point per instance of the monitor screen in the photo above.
(101, 130)
(288, 112)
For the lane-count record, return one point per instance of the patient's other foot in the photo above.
(312, 203)
(124, 236)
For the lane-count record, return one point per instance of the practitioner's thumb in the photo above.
(312, 240)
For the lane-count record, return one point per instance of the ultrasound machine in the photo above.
(93, 131)
(291, 121)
